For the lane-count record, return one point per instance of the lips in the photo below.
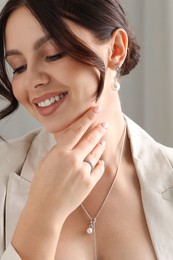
(48, 103)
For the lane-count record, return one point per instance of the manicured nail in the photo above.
(97, 109)
(103, 143)
(102, 162)
(105, 125)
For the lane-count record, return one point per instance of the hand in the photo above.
(61, 182)
(63, 179)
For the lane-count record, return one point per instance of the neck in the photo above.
(116, 122)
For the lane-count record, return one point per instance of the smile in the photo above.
(50, 101)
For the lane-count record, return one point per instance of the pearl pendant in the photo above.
(117, 85)
(89, 231)
(91, 226)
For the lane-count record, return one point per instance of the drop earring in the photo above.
(118, 74)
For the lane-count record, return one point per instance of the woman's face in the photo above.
(55, 89)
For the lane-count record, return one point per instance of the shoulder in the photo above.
(168, 153)
(28, 148)
(153, 161)
(142, 144)
(19, 145)
(14, 151)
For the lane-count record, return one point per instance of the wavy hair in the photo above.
(102, 17)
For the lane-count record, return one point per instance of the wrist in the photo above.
(37, 233)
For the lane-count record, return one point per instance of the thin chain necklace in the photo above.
(92, 224)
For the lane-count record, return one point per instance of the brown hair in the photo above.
(102, 17)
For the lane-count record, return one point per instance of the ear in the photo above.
(118, 48)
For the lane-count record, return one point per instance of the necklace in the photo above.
(92, 224)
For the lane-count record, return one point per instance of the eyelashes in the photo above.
(50, 58)
(19, 69)
(56, 56)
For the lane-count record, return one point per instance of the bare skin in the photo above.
(121, 227)
(61, 234)
(41, 218)
(53, 224)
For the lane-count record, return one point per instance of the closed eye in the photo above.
(55, 57)
(19, 69)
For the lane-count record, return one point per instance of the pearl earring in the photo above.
(118, 74)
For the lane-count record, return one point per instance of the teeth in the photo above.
(57, 98)
(50, 101)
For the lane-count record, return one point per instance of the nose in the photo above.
(36, 77)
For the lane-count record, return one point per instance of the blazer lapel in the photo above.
(17, 193)
(155, 175)
(19, 183)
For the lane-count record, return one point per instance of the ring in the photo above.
(89, 162)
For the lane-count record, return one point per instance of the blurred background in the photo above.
(147, 93)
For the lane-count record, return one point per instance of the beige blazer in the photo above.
(153, 162)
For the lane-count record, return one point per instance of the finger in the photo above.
(88, 143)
(92, 159)
(74, 133)
(98, 171)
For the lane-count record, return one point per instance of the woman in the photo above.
(91, 184)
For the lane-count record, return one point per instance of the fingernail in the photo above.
(103, 143)
(97, 109)
(102, 162)
(105, 125)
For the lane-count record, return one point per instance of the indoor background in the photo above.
(147, 93)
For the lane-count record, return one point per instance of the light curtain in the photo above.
(147, 93)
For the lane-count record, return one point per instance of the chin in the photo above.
(56, 129)
(57, 125)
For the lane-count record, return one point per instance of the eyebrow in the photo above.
(37, 45)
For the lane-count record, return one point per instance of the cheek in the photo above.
(18, 91)
(78, 75)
